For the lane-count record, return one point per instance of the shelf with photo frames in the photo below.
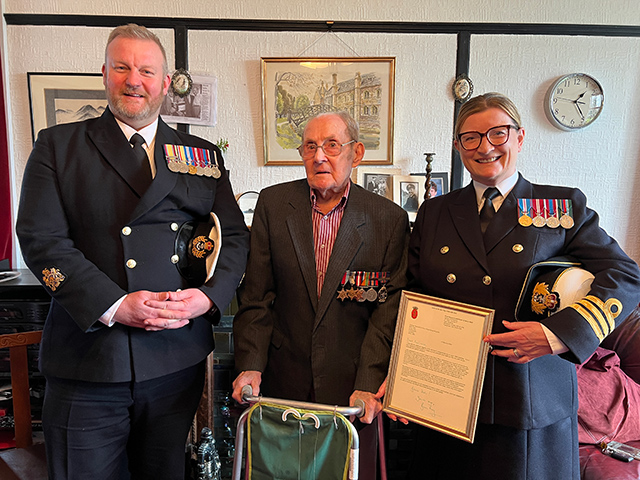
(408, 191)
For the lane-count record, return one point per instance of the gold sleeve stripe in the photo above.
(600, 315)
(597, 312)
(611, 309)
(587, 316)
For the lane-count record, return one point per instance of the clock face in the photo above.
(574, 101)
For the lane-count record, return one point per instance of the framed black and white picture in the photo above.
(56, 98)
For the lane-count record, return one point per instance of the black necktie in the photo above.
(143, 176)
(487, 212)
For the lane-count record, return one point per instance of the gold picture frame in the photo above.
(296, 89)
(438, 362)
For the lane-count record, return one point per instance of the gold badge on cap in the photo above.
(543, 299)
(53, 278)
(201, 246)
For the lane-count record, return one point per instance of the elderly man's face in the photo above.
(489, 164)
(329, 175)
(134, 80)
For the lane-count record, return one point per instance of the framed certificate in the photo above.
(438, 363)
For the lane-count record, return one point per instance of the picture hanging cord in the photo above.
(334, 36)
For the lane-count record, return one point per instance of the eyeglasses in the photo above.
(330, 147)
(496, 136)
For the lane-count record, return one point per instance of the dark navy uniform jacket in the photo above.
(448, 259)
(81, 217)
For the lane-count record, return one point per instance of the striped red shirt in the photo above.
(325, 230)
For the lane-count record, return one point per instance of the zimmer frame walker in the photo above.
(291, 407)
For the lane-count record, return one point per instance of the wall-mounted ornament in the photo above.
(574, 101)
(181, 82)
(462, 88)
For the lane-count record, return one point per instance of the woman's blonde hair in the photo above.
(484, 102)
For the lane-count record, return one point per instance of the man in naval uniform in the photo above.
(105, 205)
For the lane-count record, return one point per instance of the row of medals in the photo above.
(180, 167)
(539, 221)
(360, 294)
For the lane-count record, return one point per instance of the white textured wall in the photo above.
(600, 159)
(617, 12)
(425, 67)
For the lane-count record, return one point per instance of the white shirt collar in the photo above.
(504, 187)
(148, 132)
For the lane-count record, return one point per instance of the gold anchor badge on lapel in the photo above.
(191, 160)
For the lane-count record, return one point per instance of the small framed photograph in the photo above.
(56, 98)
(247, 203)
(296, 89)
(377, 180)
(408, 192)
(439, 183)
(198, 106)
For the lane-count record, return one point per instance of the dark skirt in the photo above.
(499, 453)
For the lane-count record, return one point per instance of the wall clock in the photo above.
(574, 101)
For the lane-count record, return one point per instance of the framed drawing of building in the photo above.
(296, 89)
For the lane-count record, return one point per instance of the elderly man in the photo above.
(106, 224)
(303, 332)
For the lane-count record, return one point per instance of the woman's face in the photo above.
(489, 164)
